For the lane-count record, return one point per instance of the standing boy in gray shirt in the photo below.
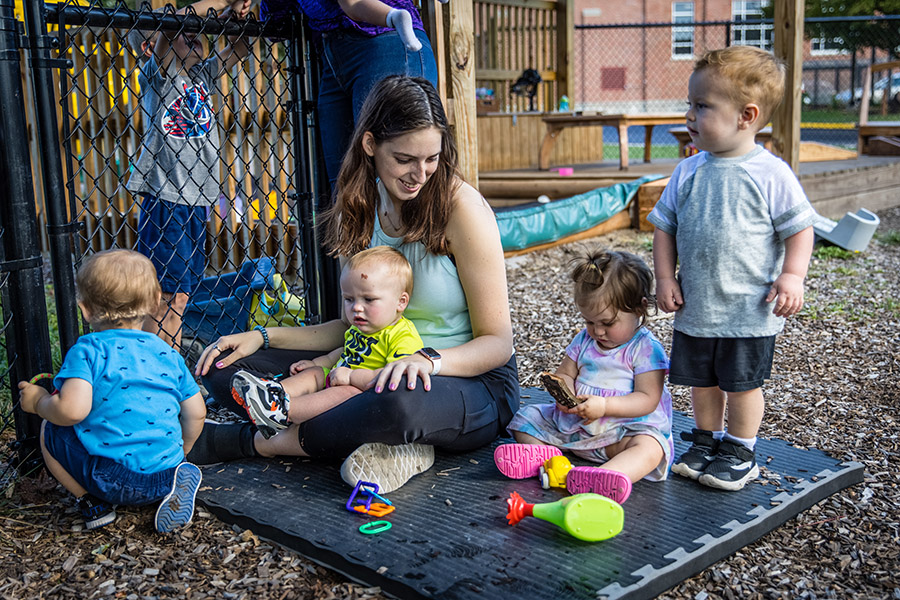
(177, 172)
(736, 219)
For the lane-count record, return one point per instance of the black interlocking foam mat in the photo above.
(450, 538)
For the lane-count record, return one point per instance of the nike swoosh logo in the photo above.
(398, 355)
(742, 467)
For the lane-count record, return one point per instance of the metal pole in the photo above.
(305, 205)
(27, 341)
(329, 268)
(59, 229)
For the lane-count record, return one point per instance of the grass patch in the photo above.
(846, 271)
(55, 350)
(636, 152)
(843, 115)
(889, 238)
(826, 252)
(890, 305)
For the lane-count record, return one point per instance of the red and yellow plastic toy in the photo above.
(588, 517)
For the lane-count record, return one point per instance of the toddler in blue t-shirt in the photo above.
(128, 409)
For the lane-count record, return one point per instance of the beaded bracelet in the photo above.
(265, 335)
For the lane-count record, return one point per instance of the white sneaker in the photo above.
(388, 466)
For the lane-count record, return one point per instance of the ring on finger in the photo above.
(216, 347)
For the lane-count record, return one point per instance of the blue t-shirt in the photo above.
(138, 383)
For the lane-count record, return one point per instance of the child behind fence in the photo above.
(176, 174)
(127, 409)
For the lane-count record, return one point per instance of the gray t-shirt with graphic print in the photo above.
(730, 217)
(179, 155)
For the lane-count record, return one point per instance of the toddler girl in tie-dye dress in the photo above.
(617, 369)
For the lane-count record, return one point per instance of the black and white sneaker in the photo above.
(693, 463)
(266, 402)
(96, 512)
(733, 467)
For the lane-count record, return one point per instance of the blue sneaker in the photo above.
(177, 508)
(96, 512)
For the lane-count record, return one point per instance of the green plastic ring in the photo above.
(375, 527)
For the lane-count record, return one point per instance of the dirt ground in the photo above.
(835, 386)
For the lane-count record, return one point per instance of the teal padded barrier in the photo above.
(534, 224)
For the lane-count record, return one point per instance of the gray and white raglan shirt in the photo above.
(179, 158)
(730, 217)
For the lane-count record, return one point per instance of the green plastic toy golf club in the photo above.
(588, 517)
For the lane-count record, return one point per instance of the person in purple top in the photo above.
(356, 54)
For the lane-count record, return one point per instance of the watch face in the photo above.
(430, 353)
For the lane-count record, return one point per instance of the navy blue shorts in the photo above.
(103, 477)
(173, 237)
(731, 364)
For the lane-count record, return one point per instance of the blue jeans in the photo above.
(173, 237)
(101, 476)
(352, 63)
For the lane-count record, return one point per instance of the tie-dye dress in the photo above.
(605, 373)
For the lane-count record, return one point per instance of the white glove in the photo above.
(400, 20)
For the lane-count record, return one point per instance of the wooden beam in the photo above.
(433, 20)
(462, 83)
(565, 50)
(788, 37)
(540, 4)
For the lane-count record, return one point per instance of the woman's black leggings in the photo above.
(458, 414)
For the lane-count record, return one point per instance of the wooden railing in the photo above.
(514, 35)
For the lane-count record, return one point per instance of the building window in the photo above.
(756, 34)
(612, 78)
(827, 46)
(682, 37)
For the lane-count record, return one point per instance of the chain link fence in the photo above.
(190, 138)
(644, 68)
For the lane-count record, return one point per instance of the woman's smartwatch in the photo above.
(435, 358)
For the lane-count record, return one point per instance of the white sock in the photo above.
(400, 20)
(718, 435)
(748, 442)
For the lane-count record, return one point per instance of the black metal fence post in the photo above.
(27, 341)
(59, 227)
(318, 268)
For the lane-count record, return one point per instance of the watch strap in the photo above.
(435, 358)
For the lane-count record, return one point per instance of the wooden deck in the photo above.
(834, 187)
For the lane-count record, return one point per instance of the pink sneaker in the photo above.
(520, 461)
(597, 480)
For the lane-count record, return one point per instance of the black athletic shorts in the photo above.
(731, 364)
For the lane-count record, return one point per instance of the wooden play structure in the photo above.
(557, 123)
(877, 137)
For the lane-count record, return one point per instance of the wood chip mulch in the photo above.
(835, 387)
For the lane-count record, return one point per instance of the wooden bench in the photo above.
(681, 134)
(557, 122)
(877, 137)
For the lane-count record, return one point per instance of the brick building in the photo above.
(643, 63)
